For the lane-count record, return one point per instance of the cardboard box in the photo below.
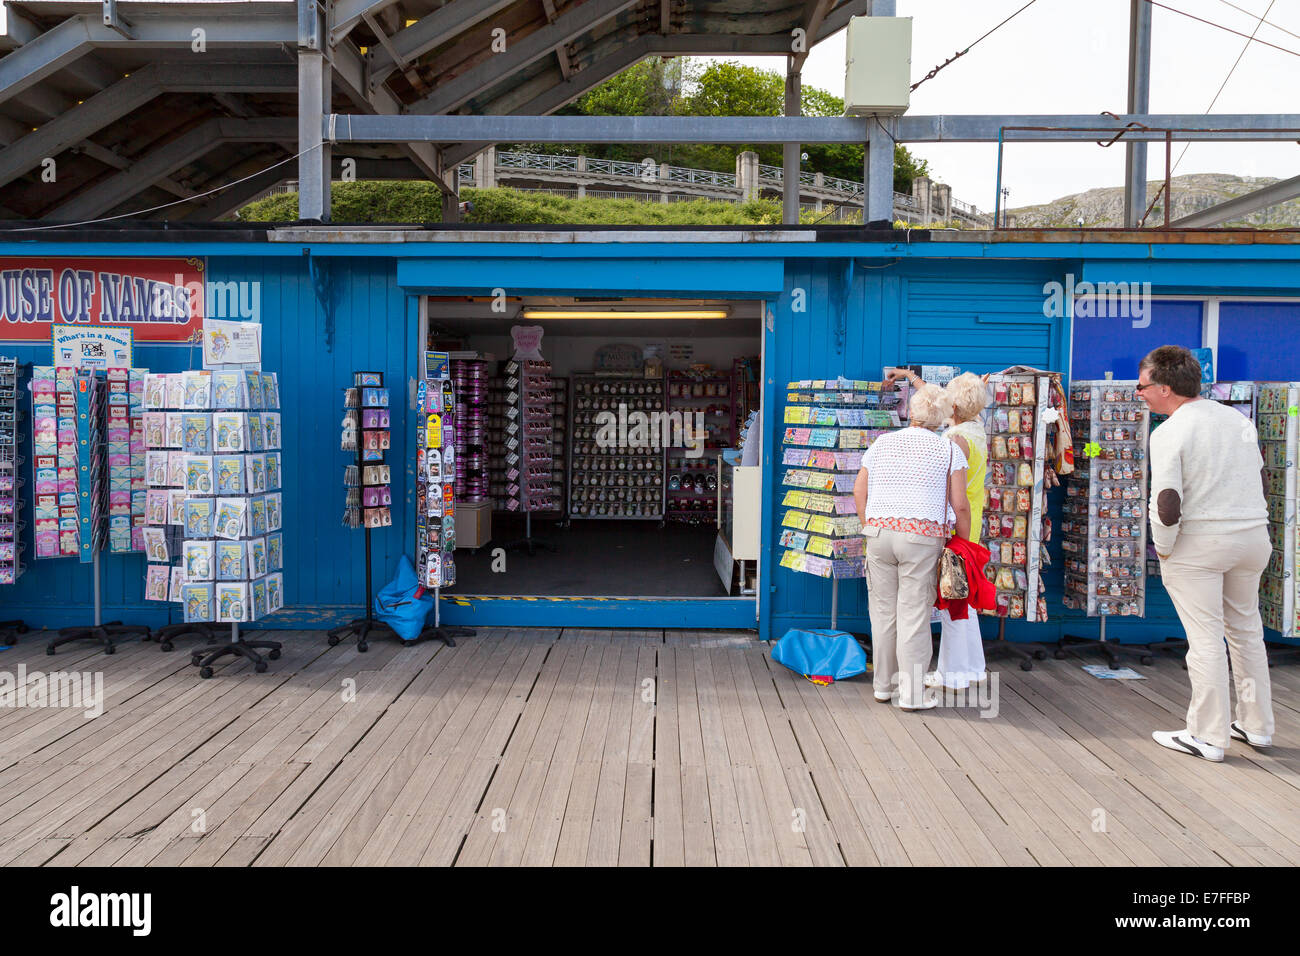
(473, 524)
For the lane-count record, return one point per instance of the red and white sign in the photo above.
(161, 300)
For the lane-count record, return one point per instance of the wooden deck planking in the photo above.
(618, 747)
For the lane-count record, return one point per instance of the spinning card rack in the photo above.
(363, 627)
(89, 400)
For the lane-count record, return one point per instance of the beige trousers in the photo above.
(1214, 583)
(902, 574)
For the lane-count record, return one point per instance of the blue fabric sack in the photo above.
(397, 606)
(820, 656)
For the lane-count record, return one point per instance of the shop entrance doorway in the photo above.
(612, 476)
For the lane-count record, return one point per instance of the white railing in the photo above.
(768, 176)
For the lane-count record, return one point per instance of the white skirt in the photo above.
(961, 651)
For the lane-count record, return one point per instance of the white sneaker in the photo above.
(883, 698)
(1258, 741)
(1184, 742)
(928, 703)
(933, 679)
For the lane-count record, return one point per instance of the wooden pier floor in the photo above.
(633, 748)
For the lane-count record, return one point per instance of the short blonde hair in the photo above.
(968, 394)
(929, 406)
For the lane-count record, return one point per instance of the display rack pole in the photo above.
(438, 632)
(364, 626)
(527, 542)
(835, 604)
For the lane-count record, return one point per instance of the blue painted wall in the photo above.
(978, 305)
(372, 328)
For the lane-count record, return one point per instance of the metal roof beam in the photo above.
(430, 31)
(540, 43)
(131, 93)
(239, 193)
(160, 161)
(1238, 206)
(110, 158)
(348, 13)
(803, 129)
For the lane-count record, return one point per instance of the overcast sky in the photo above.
(1070, 56)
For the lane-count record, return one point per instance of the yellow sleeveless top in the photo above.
(976, 467)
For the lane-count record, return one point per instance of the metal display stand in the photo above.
(1102, 451)
(9, 465)
(527, 542)
(361, 628)
(90, 397)
(237, 647)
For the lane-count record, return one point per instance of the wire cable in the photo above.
(1250, 37)
(1270, 23)
(961, 53)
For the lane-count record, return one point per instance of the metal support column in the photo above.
(790, 165)
(315, 77)
(879, 166)
(1139, 101)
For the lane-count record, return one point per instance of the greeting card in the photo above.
(155, 582)
(228, 431)
(198, 517)
(229, 519)
(196, 558)
(274, 592)
(228, 471)
(275, 552)
(198, 475)
(232, 602)
(256, 473)
(198, 389)
(155, 546)
(196, 599)
(257, 563)
(197, 438)
(232, 561)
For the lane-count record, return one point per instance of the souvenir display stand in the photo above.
(11, 483)
(1276, 419)
(436, 470)
(625, 478)
(1104, 526)
(80, 450)
(1016, 527)
(530, 450)
(828, 425)
(214, 502)
(692, 473)
(369, 494)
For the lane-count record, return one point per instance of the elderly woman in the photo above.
(910, 492)
(961, 646)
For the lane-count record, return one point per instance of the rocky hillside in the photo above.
(1105, 207)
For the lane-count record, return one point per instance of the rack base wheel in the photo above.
(362, 646)
(168, 634)
(274, 655)
(363, 629)
(241, 648)
(107, 635)
(1026, 665)
(446, 634)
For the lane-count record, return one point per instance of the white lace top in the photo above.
(907, 475)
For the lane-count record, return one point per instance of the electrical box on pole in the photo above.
(878, 70)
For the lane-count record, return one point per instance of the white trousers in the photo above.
(1214, 583)
(961, 651)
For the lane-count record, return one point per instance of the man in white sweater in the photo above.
(1209, 525)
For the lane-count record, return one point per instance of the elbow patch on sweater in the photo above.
(1169, 506)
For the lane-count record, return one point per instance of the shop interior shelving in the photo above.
(713, 394)
(594, 471)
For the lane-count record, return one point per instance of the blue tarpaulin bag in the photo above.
(820, 656)
(398, 607)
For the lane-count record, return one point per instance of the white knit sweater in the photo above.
(1205, 474)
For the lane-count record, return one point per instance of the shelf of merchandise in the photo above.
(589, 465)
(1016, 499)
(1276, 417)
(720, 432)
(11, 482)
(1105, 538)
